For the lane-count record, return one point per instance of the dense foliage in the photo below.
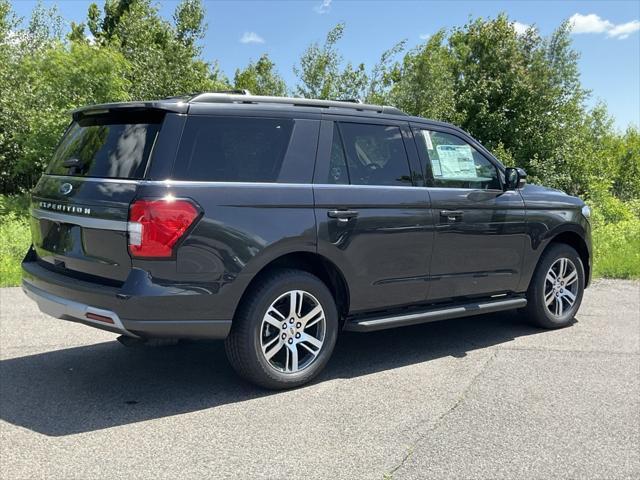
(519, 94)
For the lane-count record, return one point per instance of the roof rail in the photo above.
(234, 91)
(216, 97)
(350, 100)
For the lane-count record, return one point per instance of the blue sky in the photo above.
(605, 33)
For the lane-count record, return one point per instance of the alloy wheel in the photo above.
(293, 331)
(561, 287)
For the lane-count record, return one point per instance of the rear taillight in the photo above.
(155, 226)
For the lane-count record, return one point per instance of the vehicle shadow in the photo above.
(74, 390)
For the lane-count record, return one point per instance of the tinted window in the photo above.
(106, 146)
(456, 164)
(338, 173)
(233, 149)
(375, 154)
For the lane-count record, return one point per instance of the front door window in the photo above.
(453, 163)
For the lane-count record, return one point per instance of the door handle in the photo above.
(342, 215)
(452, 215)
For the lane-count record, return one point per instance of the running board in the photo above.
(435, 314)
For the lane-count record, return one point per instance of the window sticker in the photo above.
(427, 138)
(456, 161)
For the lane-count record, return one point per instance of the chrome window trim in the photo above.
(202, 183)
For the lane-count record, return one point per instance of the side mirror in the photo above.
(514, 178)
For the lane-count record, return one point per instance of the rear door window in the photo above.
(375, 154)
(233, 149)
(107, 146)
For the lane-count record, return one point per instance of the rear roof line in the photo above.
(176, 104)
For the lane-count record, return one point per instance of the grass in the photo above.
(15, 239)
(616, 245)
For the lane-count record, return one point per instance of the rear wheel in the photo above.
(556, 289)
(284, 333)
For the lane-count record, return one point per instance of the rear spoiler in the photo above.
(173, 105)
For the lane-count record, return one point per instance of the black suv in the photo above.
(274, 223)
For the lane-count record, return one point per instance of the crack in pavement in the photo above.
(559, 350)
(388, 475)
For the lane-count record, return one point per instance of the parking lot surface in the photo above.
(480, 397)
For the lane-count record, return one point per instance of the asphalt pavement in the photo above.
(480, 397)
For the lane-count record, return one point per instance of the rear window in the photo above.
(233, 149)
(107, 146)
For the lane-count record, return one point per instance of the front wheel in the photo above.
(556, 289)
(284, 333)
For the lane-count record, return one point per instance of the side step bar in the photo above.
(435, 314)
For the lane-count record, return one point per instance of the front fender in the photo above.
(546, 226)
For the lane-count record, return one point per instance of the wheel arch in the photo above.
(313, 263)
(575, 239)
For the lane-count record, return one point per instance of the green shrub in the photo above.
(16, 204)
(617, 249)
(15, 239)
(607, 209)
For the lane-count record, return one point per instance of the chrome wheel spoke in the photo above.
(549, 297)
(274, 318)
(309, 349)
(563, 267)
(296, 298)
(306, 338)
(569, 296)
(551, 276)
(571, 278)
(313, 317)
(292, 358)
(559, 308)
(275, 344)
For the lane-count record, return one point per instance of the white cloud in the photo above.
(323, 7)
(520, 28)
(251, 37)
(623, 30)
(424, 36)
(593, 23)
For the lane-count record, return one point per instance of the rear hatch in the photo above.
(80, 206)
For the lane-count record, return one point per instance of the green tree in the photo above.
(164, 56)
(260, 78)
(61, 78)
(383, 74)
(321, 73)
(42, 31)
(519, 94)
(9, 149)
(626, 179)
(423, 84)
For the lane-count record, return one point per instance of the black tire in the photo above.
(536, 310)
(243, 345)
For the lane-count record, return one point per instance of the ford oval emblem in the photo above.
(65, 188)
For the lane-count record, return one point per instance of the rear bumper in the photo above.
(139, 308)
(66, 309)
